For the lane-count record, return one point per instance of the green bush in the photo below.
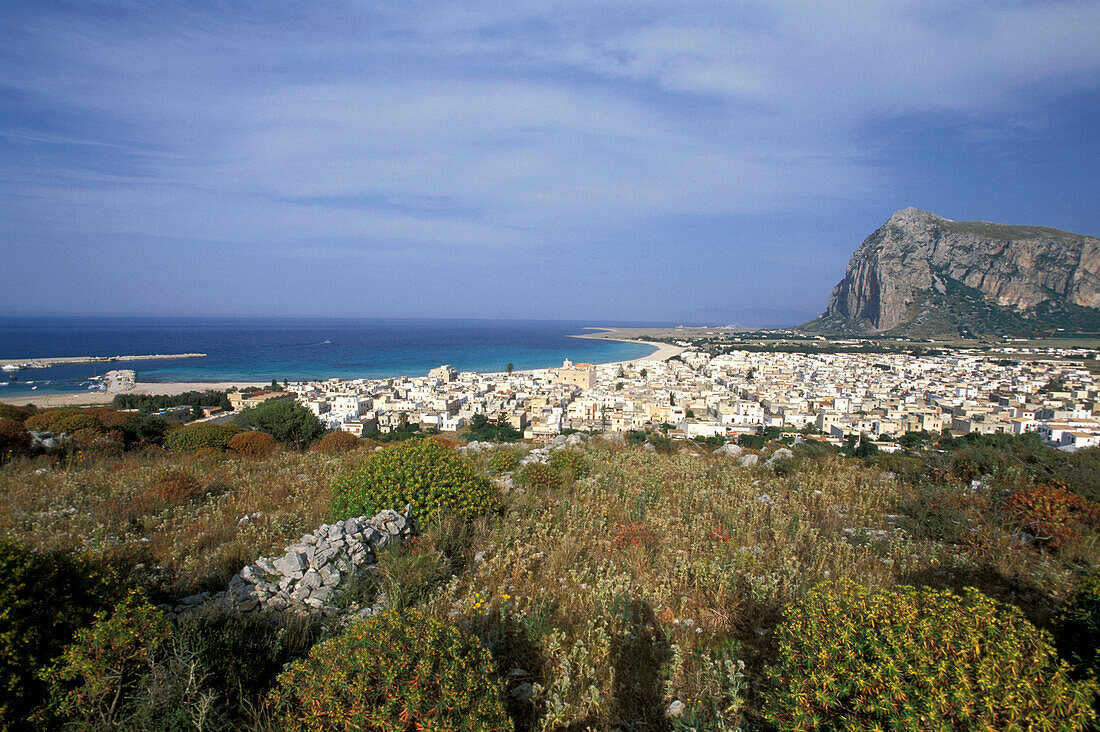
(288, 422)
(393, 673)
(256, 445)
(65, 421)
(241, 654)
(44, 599)
(108, 659)
(435, 479)
(502, 462)
(917, 659)
(540, 475)
(12, 412)
(573, 463)
(194, 437)
(1077, 629)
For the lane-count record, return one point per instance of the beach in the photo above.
(90, 398)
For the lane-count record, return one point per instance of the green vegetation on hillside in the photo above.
(614, 587)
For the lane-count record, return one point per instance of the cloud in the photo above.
(502, 125)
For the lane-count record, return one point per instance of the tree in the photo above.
(620, 374)
(510, 367)
(288, 422)
(644, 373)
(275, 386)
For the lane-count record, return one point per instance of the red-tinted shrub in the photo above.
(255, 445)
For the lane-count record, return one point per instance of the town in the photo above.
(834, 397)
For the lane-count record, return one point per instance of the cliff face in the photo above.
(916, 255)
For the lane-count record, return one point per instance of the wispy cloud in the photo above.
(400, 128)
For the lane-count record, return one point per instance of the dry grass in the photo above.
(654, 578)
(197, 545)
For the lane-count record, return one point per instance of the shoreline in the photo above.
(99, 398)
(661, 352)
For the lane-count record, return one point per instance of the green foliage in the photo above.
(482, 430)
(194, 437)
(65, 421)
(14, 439)
(572, 463)
(288, 422)
(256, 445)
(241, 654)
(540, 475)
(917, 658)
(502, 461)
(393, 673)
(44, 599)
(18, 414)
(158, 402)
(1077, 629)
(144, 429)
(338, 441)
(435, 479)
(91, 678)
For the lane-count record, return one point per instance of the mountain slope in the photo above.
(921, 274)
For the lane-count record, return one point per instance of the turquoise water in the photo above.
(260, 349)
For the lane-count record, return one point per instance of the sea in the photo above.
(261, 349)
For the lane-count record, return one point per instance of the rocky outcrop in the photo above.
(917, 254)
(310, 573)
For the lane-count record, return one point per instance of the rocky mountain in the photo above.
(921, 274)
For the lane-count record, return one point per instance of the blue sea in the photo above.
(261, 349)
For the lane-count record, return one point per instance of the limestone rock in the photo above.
(898, 272)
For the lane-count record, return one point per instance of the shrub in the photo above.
(17, 414)
(916, 658)
(255, 445)
(502, 462)
(1077, 629)
(393, 672)
(243, 653)
(66, 421)
(572, 463)
(434, 479)
(540, 475)
(194, 437)
(288, 422)
(339, 441)
(14, 439)
(1052, 514)
(44, 598)
(109, 419)
(106, 659)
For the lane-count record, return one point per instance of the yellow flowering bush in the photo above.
(194, 437)
(540, 475)
(393, 673)
(502, 462)
(433, 478)
(917, 659)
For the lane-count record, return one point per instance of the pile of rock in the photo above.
(310, 573)
(560, 442)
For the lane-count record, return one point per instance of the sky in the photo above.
(710, 162)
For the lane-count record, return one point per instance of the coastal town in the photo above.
(690, 394)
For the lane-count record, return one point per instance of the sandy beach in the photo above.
(81, 399)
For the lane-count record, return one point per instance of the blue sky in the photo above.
(672, 160)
